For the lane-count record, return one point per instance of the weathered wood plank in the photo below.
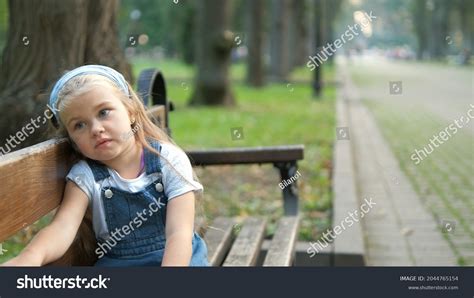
(32, 184)
(282, 247)
(218, 237)
(245, 250)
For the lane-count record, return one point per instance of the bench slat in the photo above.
(245, 155)
(32, 184)
(282, 247)
(247, 246)
(218, 239)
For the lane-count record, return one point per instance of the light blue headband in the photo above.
(105, 71)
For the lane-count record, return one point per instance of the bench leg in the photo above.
(290, 192)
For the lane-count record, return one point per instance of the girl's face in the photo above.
(99, 124)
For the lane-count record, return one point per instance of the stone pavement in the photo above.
(399, 230)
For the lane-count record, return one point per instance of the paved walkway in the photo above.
(398, 231)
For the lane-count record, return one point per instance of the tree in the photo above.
(187, 31)
(419, 18)
(439, 28)
(319, 10)
(332, 10)
(45, 38)
(279, 57)
(213, 48)
(255, 64)
(298, 39)
(466, 12)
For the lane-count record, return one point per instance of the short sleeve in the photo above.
(177, 172)
(81, 174)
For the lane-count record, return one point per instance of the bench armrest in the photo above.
(282, 157)
(246, 155)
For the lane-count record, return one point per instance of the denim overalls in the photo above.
(144, 212)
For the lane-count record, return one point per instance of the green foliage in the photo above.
(167, 24)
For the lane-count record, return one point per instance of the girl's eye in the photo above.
(104, 112)
(78, 125)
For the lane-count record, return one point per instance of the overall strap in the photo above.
(152, 161)
(99, 170)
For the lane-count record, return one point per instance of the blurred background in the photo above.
(275, 69)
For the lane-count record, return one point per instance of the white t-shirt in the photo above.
(174, 184)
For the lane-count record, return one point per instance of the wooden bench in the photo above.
(34, 180)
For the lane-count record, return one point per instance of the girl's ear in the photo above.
(132, 118)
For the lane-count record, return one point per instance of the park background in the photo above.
(257, 54)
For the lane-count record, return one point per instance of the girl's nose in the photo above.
(97, 127)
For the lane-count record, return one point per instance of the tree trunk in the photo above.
(213, 48)
(419, 20)
(255, 64)
(279, 58)
(103, 45)
(331, 11)
(299, 34)
(45, 38)
(439, 28)
(466, 11)
(319, 6)
(187, 30)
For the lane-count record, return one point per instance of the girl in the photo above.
(139, 184)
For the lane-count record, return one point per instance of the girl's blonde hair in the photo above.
(143, 127)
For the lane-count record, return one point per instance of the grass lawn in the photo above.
(274, 115)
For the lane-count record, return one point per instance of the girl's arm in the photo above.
(179, 230)
(53, 241)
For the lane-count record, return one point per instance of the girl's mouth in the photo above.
(103, 143)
